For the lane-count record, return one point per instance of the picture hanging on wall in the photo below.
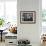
(27, 17)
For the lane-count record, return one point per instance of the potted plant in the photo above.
(1, 22)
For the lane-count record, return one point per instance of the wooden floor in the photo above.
(2, 43)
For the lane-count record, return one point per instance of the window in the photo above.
(1, 9)
(8, 11)
(44, 16)
(43, 12)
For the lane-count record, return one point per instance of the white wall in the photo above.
(30, 31)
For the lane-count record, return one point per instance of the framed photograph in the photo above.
(27, 17)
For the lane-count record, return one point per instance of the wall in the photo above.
(30, 31)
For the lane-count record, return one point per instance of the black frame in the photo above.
(26, 15)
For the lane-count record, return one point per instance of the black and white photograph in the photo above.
(27, 17)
